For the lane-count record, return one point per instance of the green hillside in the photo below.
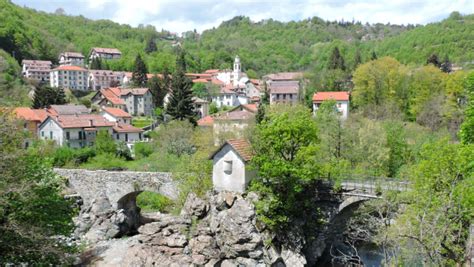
(265, 46)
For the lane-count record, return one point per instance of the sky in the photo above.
(180, 16)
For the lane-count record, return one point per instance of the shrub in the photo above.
(105, 162)
(143, 150)
(150, 201)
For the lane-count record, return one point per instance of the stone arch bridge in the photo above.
(118, 186)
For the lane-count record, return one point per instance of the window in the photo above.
(339, 105)
(228, 166)
(118, 136)
(42, 133)
(67, 136)
(126, 137)
(51, 135)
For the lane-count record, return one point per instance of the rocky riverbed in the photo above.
(219, 231)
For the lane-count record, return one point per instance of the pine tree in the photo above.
(433, 59)
(45, 96)
(140, 71)
(96, 64)
(357, 59)
(180, 106)
(158, 93)
(446, 66)
(336, 61)
(373, 56)
(151, 46)
(166, 81)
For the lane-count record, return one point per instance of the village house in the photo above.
(74, 131)
(100, 79)
(135, 101)
(79, 131)
(201, 107)
(69, 77)
(341, 99)
(127, 78)
(230, 97)
(71, 59)
(116, 115)
(233, 123)
(32, 118)
(230, 171)
(285, 92)
(104, 53)
(36, 70)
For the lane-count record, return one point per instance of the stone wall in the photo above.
(117, 185)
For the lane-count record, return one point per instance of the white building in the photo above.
(69, 77)
(230, 97)
(230, 170)
(233, 123)
(116, 115)
(341, 99)
(71, 59)
(78, 131)
(100, 79)
(74, 130)
(37, 70)
(104, 53)
(135, 101)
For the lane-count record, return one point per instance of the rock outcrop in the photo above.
(219, 232)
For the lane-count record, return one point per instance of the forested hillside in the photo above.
(264, 46)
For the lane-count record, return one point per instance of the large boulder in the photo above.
(194, 206)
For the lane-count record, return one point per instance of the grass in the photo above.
(141, 122)
(153, 202)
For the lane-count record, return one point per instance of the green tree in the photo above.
(437, 212)
(446, 65)
(285, 145)
(398, 151)
(32, 209)
(96, 64)
(157, 91)
(44, 96)
(467, 127)
(104, 143)
(166, 80)
(180, 106)
(151, 46)
(139, 78)
(434, 60)
(200, 90)
(336, 61)
(373, 56)
(357, 59)
(264, 102)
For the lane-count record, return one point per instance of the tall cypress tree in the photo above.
(446, 66)
(45, 96)
(151, 46)
(336, 61)
(373, 56)
(263, 104)
(157, 91)
(140, 70)
(433, 59)
(180, 106)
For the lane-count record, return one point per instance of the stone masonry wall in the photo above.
(116, 185)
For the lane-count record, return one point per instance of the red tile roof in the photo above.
(251, 107)
(112, 95)
(72, 54)
(284, 87)
(29, 114)
(217, 81)
(70, 68)
(133, 91)
(126, 128)
(338, 96)
(241, 146)
(213, 71)
(116, 112)
(200, 80)
(82, 121)
(206, 121)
